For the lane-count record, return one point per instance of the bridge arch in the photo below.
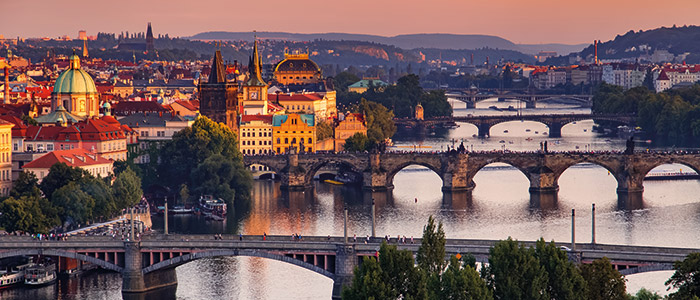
(180, 260)
(74, 255)
(475, 167)
(585, 160)
(693, 165)
(397, 168)
(315, 167)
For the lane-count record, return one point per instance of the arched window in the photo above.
(310, 141)
(294, 140)
(286, 140)
(278, 140)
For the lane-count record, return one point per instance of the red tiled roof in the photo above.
(295, 97)
(663, 76)
(77, 157)
(250, 118)
(124, 108)
(186, 104)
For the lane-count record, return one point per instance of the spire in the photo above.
(149, 39)
(217, 74)
(255, 67)
(85, 49)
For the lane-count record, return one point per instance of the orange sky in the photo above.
(521, 21)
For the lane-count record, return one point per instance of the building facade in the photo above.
(297, 69)
(75, 90)
(348, 125)
(218, 97)
(5, 157)
(255, 134)
(293, 131)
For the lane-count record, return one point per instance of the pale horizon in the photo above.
(522, 22)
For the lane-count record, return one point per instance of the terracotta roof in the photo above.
(296, 97)
(186, 104)
(250, 118)
(663, 76)
(125, 108)
(77, 157)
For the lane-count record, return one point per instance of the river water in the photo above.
(499, 208)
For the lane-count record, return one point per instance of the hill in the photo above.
(406, 41)
(683, 43)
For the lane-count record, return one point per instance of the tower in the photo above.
(149, 39)
(85, 49)
(219, 98)
(255, 88)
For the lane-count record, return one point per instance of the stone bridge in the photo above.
(150, 264)
(555, 122)
(529, 99)
(457, 170)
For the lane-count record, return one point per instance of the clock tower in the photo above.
(254, 92)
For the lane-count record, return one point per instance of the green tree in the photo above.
(105, 206)
(342, 80)
(324, 130)
(462, 282)
(215, 176)
(514, 272)
(192, 146)
(368, 282)
(73, 204)
(565, 280)
(60, 175)
(686, 279)
(127, 189)
(357, 142)
(431, 253)
(644, 294)
(27, 214)
(435, 104)
(603, 281)
(404, 279)
(379, 121)
(26, 185)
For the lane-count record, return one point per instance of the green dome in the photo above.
(74, 80)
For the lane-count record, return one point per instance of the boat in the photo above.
(544, 133)
(209, 205)
(40, 275)
(505, 131)
(671, 175)
(528, 139)
(527, 130)
(331, 181)
(502, 141)
(13, 275)
(585, 130)
(537, 132)
(180, 210)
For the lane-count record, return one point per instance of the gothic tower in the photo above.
(149, 39)
(218, 98)
(255, 88)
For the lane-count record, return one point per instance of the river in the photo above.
(499, 208)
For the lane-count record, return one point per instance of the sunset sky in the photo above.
(521, 21)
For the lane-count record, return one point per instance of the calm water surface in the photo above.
(499, 207)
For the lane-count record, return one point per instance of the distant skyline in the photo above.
(520, 21)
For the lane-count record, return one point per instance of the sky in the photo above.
(521, 21)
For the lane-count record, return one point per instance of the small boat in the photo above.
(537, 132)
(40, 275)
(505, 131)
(574, 122)
(12, 276)
(502, 141)
(544, 133)
(208, 205)
(474, 135)
(510, 142)
(331, 181)
(179, 210)
(528, 139)
(527, 130)
(671, 175)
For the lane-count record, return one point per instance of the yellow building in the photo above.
(293, 131)
(255, 134)
(297, 69)
(347, 127)
(5, 157)
(75, 90)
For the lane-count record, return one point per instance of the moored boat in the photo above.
(40, 275)
(13, 275)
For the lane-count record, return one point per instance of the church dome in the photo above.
(297, 63)
(74, 80)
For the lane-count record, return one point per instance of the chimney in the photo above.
(7, 85)
(595, 46)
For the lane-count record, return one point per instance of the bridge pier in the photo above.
(544, 188)
(630, 199)
(471, 104)
(455, 177)
(531, 104)
(375, 177)
(293, 177)
(133, 279)
(555, 129)
(484, 129)
(345, 263)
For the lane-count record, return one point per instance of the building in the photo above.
(348, 125)
(5, 157)
(75, 90)
(297, 69)
(419, 112)
(662, 82)
(624, 75)
(218, 97)
(364, 84)
(255, 134)
(254, 90)
(306, 103)
(293, 131)
(153, 129)
(78, 157)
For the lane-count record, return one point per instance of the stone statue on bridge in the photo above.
(629, 149)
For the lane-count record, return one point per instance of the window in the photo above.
(49, 147)
(286, 140)
(294, 140)
(15, 147)
(310, 141)
(30, 148)
(144, 133)
(278, 140)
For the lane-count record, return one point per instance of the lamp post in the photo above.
(345, 223)
(573, 229)
(374, 224)
(165, 215)
(593, 224)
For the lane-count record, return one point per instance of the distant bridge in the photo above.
(555, 122)
(530, 100)
(150, 263)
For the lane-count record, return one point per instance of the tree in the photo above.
(215, 176)
(324, 130)
(367, 282)
(105, 206)
(357, 142)
(686, 279)
(127, 189)
(644, 294)
(603, 281)
(379, 121)
(26, 185)
(192, 146)
(431, 254)
(184, 193)
(514, 272)
(435, 104)
(462, 282)
(73, 204)
(565, 280)
(27, 214)
(60, 174)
